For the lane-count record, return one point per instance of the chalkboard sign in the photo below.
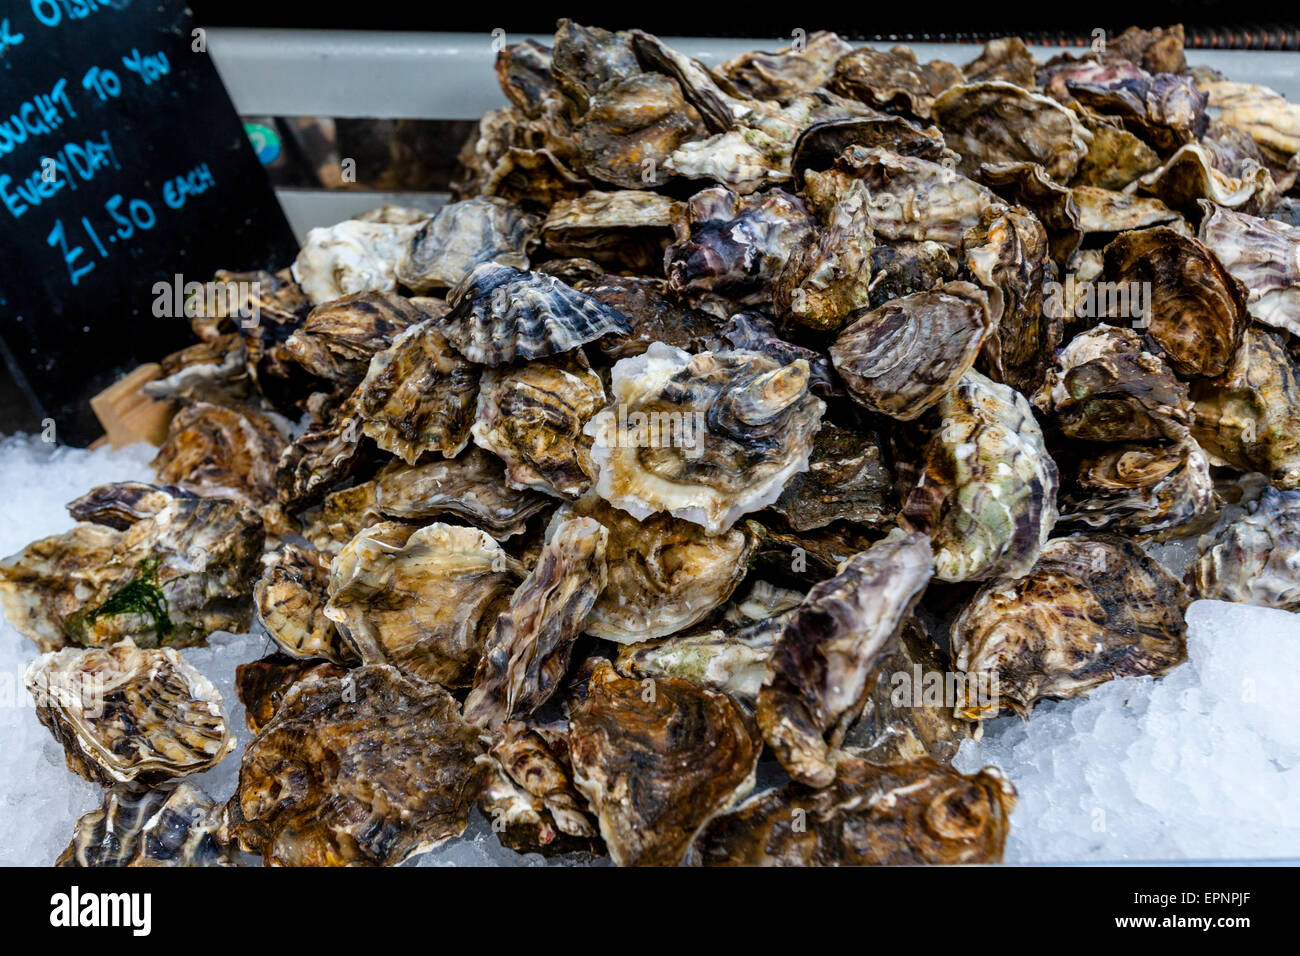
(122, 165)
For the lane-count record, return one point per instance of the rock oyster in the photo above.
(211, 371)
(422, 600)
(324, 455)
(847, 479)
(1094, 607)
(418, 396)
(790, 70)
(527, 653)
(1138, 488)
(664, 574)
(366, 769)
(657, 760)
(263, 684)
(129, 715)
(729, 659)
(464, 235)
(826, 661)
(628, 227)
(155, 564)
(1264, 255)
(903, 814)
(903, 357)
(986, 493)
(290, 602)
(706, 438)
(338, 339)
(532, 417)
(176, 827)
(1253, 559)
(353, 256)
(1269, 119)
(501, 315)
(893, 79)
(211, 449)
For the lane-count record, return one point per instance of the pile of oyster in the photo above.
(780, 420)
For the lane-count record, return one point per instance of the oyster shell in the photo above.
(626, 227)
(846, 480)
(1140, 489)
(735, 245)
(1249, 417)
(532, 417)
(1264, 255)
(903, 357)
(1115, 156)
(998, 122)
(1095, 607)
(986, 494)
(215, 370)
(527, 654)
(821, 143)
(129, 715)
(215, 450)
(290, 602)
(732, 660)
(905, 717)
(656, 760)
(1197, 309)
(524, 74)
(1166, 110)
(323, 456)
(418, 396)
(1105, 386)
(790, 70)
(904, 267)
(422, 600)
(825, 663)
(893, 79)
(1003, 58)
(830, 277)
(706, 438)
(176, 827)
(655, 315)
(1029, 186)
(633, 125)
(352, 256)
(501, 315)
(338, 339)
(1104, 210)
(263, 684)
(1270, 120)
(904, 814)
(1157, 50)
(911, 198)
(472, 487)
(751, 332)
(464, 235)
(1007, 254)
(664, 574)
(1253, 559)
(159, 565)
(1189, 177)
(366, 769)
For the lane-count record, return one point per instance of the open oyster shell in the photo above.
(904, 814)
(1249, 417)
(158, 565)
(999, 122)
(1264, 255)
(422, 600)
(129, 715)
(1197, 310)
(986, 494)
(827, 658)
(527, 653)
(903, 357)
(1253, 559)
(656, 760)
(501, 315)
(419, 396)
(366, 769)
(911, 198)
(664, 574)
(180, 826)
(532, 417)
(706, 438)
(464, 235)
(1094, 607)
(290, 602)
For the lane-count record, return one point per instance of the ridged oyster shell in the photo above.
(129, 715)
(987, 492)
(501, 315)
(212, 449)
(1253, 559)
(1264, 255)
(338, 339)
(464, 235)
(706, 438)
(290, 602)
(180, 826)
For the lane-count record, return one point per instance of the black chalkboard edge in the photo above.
(20, 409)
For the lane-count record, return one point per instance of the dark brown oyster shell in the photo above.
(820, 144)
(262, 684)
(338, 338)
(1003, 58)
(325, 455)
(656, 759)
(215, 450)
(625, 228)
(1252, 560)
(633, 125)
(1095, 607)
(1115, 156)
(526, 655)
(903, 267)
(1197, 309)
(1140, 489)
(1029, 186)
(826, 661)
(751, 332)
(215, 370)
(1164, 109)
(793, 69)
(1157, 50)
(846, 480)
(904, 814)
(129, 715)
(180, 826)
(1189, 177)
(524, 74)
(365, 769)
(893, 79)
(501, 315)
(903, 357)
(653, 313)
